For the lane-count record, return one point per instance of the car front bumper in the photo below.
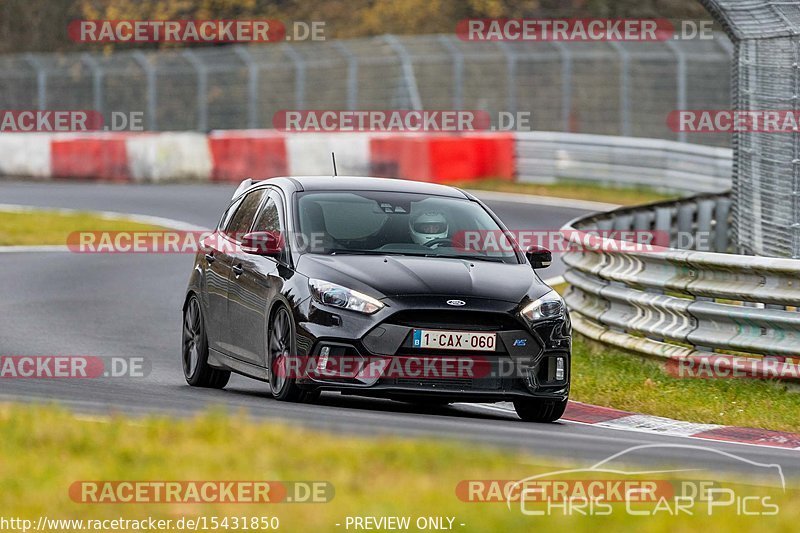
(374, 355)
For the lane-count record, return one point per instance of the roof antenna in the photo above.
(333, 158)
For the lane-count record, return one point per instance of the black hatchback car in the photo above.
(376, 287)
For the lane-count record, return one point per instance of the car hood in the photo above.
(382, 276)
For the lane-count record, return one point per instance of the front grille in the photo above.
(455, 320)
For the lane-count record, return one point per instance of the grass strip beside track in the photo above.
(44, 450)
(605, 377)
(30, 228)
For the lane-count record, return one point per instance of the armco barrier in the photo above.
(240, 154)
(91, 157)
(25, 154)
(233, 155)
(229, 155)
(179, 156)
(551, 157)
(442, 159)
(310, 153)
(682, 303)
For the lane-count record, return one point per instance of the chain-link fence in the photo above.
(766, 179)
(607, 88)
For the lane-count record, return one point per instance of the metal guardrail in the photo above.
(669, 166)
(676, 303)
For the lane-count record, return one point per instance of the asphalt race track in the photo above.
(129, 305)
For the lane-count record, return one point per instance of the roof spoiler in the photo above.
(243, 186)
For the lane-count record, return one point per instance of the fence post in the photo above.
(97, 81)
(352, 74)
(794, 226)
(624, 80)
(408, 70)
(299, 76)
(680, 56)
(202, 88)
(150, 73)
(511, 76)
(566, 84)
(458, 71)
(41, 80)
(252, 85)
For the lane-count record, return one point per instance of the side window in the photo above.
(271, 219)
(243, 218)
(268, 219)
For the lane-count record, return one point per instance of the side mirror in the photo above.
(266, 243)
(539, 257)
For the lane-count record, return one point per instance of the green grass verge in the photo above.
(44, 450)
(50, 227)
(604, 377)
(576, 190)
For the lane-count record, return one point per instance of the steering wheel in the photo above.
(439, 241)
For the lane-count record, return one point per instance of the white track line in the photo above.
(33, 249)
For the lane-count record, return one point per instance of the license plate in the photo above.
(454, 340)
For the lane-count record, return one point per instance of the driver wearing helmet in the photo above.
(427, 227)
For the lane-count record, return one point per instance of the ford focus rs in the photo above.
(375, 287)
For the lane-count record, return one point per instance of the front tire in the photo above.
(280, 349)
(196, 370)
(539, 410)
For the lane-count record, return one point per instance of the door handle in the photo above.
(210, 258)
(238, 270)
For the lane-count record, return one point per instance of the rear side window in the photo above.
(226, 217)
(243, 218)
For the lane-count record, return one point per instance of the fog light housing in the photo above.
(322, 362)
(559, 369)
(551, 370)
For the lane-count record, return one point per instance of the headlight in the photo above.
(337, 296)
(548, 306)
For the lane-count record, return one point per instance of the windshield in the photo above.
(376, 222)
